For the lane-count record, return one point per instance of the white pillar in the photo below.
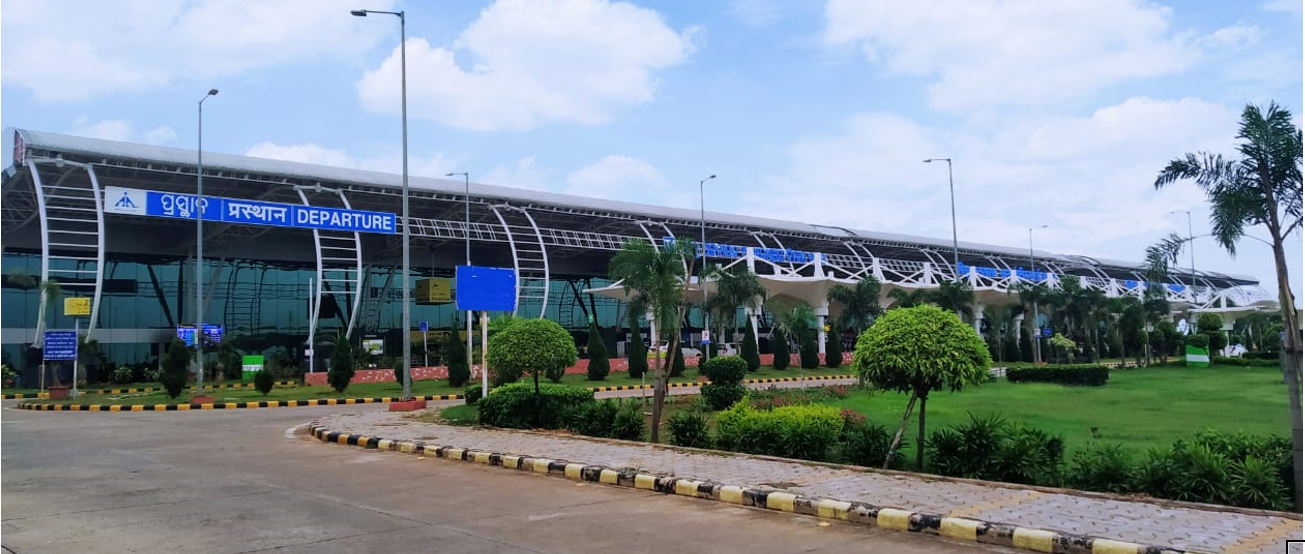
(822, 314)
(978, 317)
(1019, 324)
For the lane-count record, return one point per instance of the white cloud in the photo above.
(436, 164)
(762, 13)
(525, 63)
(615, 177)
(982, 53)
(1235, 37)
(121, 130)
(523, 173)
(75, 50)
(1289, 6)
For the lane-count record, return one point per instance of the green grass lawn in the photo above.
(1139, 408)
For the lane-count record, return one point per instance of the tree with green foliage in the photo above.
(532, 346)
(1262, 186)
(735, 286)
(1164, 339)
(342, 364)
(955, 296)
(175, 367)
(1010, 348)
(1032, 295)
(657, 276)
(677, 363)
(909, 298)
(599, 366)
(794, 322)
(455, 358)
(808, 351)
(264, 380)
(748, 349)
(779, 346)
(859, 304)
(636, 352)
(1211, 325)
(919, 350)
(834, 349)
(1026, 345)
(229, 359)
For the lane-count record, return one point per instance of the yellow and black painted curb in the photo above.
(144, 390)
(745, 382)
(955, 528)
(45, 407)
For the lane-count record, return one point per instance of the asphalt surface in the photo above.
(241, 481)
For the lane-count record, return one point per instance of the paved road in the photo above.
(229, 482)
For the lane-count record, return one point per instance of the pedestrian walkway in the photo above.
(1182, 528)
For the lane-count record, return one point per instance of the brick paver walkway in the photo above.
(1199, 530)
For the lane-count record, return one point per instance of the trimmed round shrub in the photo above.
(780, 358)
(342, 369)
(471, 395)
(725, 370)
(537, 347)
(748, 350)
(722, 396)
(677, 363)
(264, 380)
(808, 352)
(689, 428)
(455, 357)
(599, 366)
(833, 349)
(514, 405)
(176, 364)
(807, 432)
(629, 423)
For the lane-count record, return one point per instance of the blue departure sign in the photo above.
(245, 212)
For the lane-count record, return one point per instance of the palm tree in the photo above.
(860, 304)
(1033, 294)
(50, 292)
(794, 322)
(955, 296)
(20, 278)
(735, 286)
(1260, 187)
(657, 278)
(909, 298)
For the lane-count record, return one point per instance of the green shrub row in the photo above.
(1092, 375)
(807, 432)
(615, 419)
(1244, 362)
(992, 448)
(516, 406)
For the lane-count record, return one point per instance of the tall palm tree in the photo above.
(1034, 294)
(860, 304)
(657, 278)
(794, 322)
(735, 286)
(50, 292)
(909, 298)
(955, 296)
(1262, 186)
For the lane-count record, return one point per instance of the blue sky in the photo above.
(1055, 112)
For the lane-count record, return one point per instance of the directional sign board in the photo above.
(119, 200)
(491, 289)
(424, 326)
(79, 306)
(187, 333)
(60, 345)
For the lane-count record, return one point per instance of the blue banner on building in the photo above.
(245, 212)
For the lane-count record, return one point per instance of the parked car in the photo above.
(688, 352)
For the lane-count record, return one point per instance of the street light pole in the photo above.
(1191, 249)
(466, 181)
(407, 308)
(956, 250)
(199, 246)
(702, 280)
(1037, 342)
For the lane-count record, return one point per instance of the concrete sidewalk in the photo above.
(1174, 527)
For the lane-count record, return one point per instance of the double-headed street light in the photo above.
(199, 246)
(1037, 343)
(702, 281)
(1191, 248)
(956, 250)
(407, 286)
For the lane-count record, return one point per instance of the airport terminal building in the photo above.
(293, 250)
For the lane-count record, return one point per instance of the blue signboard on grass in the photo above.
(60, 345)
(491, 289)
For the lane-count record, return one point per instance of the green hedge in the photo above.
(1244, 362)
(725, 370)
(807, 432)
(513, 405)
(1092, 375)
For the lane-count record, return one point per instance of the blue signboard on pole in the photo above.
(424, 326)
(245, 212)
(60, 345)
(187, 333)
(491, 289)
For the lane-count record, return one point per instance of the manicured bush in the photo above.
(1198, 341)
(1103, 467)
(593, 418)
(396, 364)
(833, 349)
(1092, 375)
(342, 367)
(537, 347)
(1211, 325)
(677, 361)
(808, 351)
(1244, 361)
(805, 432)
(455, 357)
(748, 350)
(264, 380)
(867, 444)
(471, 395)
(514, 405)
(689, 428)
(722, 396)
(175, 367)
(725, 370)
(637, 352)
(629, 423)
(599, 366)
(779, 345)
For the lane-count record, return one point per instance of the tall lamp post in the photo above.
(407, 307)
(199, 247)
(466, 181)
(702, 280)
(1037, 341)
(956, 250)
(1191, 249)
